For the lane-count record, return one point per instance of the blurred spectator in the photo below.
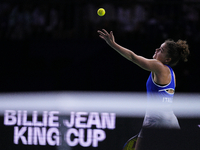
(155, 21)
(125, 18)
(53, 20)
(19, 24)
(39, 19)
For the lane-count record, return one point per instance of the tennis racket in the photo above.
(130, 144)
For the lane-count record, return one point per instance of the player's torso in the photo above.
(161, 93)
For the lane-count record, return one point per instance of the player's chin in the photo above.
(154, 56)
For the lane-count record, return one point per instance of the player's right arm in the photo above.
(152, 65)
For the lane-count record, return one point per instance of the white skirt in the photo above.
(159, 120)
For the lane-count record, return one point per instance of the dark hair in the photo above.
(177, 50)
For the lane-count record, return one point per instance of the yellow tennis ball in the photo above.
(101, 12)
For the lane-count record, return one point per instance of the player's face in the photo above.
(161, 54)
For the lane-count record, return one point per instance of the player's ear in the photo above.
(167, 60)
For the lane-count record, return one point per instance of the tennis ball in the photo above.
(101, 12)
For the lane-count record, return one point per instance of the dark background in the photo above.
(53, 45)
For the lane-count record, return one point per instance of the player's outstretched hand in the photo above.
(108, 37)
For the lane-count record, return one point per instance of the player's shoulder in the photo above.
(160, 67)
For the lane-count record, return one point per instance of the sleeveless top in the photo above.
(160, 97)
(158, 93)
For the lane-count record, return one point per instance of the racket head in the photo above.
(130, 144)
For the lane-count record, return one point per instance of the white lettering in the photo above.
(53, 139)
(98, 135)
(80, 120)
(25, 117)
(30, 135)
(93, 119)
(108, 120)
(9, 117)
(19, 134)
(167, 99)
(70, 141)
(39, 136)
(53, 118)
(77, 136)
(88, 141)
(35, 131)
(35, 120)
(44, 118)
(19, 118)
(67, 123)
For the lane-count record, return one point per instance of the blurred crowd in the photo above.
(20, 21)
(45, 64)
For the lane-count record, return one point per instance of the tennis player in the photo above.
(160, 84)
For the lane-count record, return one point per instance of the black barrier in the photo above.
(91, 131)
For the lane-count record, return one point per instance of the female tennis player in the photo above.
(160, 84)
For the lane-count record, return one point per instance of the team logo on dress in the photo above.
(168, 90)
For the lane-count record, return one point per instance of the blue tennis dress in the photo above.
(161, 98)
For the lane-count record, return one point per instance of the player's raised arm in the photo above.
(147, 64)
